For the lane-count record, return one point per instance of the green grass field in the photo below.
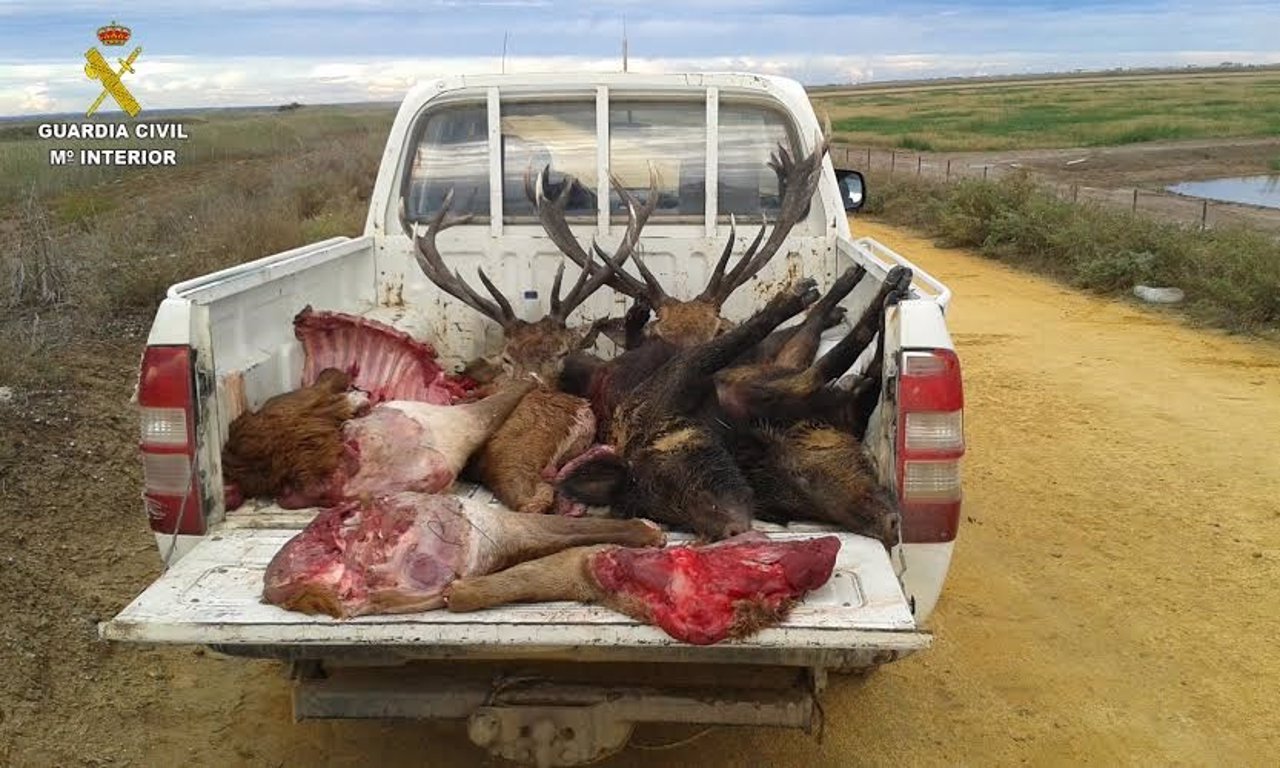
(1062, 113)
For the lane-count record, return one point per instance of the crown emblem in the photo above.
(114, 34)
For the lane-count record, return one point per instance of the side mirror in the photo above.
(853, 189)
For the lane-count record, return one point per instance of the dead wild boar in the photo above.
(671, 464)
(796, 440)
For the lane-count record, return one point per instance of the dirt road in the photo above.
(1114, 598)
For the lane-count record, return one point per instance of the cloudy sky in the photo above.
(250, 52)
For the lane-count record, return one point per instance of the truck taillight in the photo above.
(166, 399)
(930, 444)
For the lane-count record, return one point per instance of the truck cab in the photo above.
(553, 683)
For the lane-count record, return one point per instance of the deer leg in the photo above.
(559, 576)
(528, 537)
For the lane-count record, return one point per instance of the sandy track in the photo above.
(1113, 599)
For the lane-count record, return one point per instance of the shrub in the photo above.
(1231, 275)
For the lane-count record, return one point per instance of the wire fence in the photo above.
(1191, 211)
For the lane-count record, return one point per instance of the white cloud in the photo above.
(178, 82)
(35, 98)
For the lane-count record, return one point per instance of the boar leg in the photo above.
(682, 385)
(558, 576)
(799, 350)
(838, 359)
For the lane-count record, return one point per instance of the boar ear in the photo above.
(577, 372)
(597, 482)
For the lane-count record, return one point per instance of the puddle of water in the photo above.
(1251, 190)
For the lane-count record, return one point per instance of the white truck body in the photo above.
(238, 322)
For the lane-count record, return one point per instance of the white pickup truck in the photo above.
(554, 683)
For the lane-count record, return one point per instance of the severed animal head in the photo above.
(686, 323)
(535, 349)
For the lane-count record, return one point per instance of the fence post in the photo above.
(1135, 199)
(1204, 214)
(948, 170)
(919, 159)
(984, 172)
(1075, 193)
(868, 158)
(893, 160)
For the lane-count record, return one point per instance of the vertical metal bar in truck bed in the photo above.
(713, 159)
(495, 163)
(602, 160)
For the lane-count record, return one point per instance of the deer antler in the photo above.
(428, 258)
(551, 213)
(797, 181)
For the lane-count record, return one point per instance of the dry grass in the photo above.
(213, 138)
(97, 258)
(1058, 114)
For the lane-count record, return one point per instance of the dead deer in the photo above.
(681, 324)
(689, 322)
(548, 427)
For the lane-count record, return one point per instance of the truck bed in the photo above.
(212, 596)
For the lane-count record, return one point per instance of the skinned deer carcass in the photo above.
(671, 463)
(697, 594)
(547, 428)
(309, 448)
(383, 361)
(398, 553)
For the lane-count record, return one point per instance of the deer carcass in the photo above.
(398, 553)
(697, 594)
(383, 361)
(548, 427)
(309, 448)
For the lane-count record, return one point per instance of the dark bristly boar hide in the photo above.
(386, 362)
(671, 463)
(799, 391)
(306, 448)
(398, 553)
(520, 460)
(697, 594)
(797, 440)
(812, 471)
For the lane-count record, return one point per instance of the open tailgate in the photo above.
(212, 596)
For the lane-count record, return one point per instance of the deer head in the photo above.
(531, 349)
(687, 323)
